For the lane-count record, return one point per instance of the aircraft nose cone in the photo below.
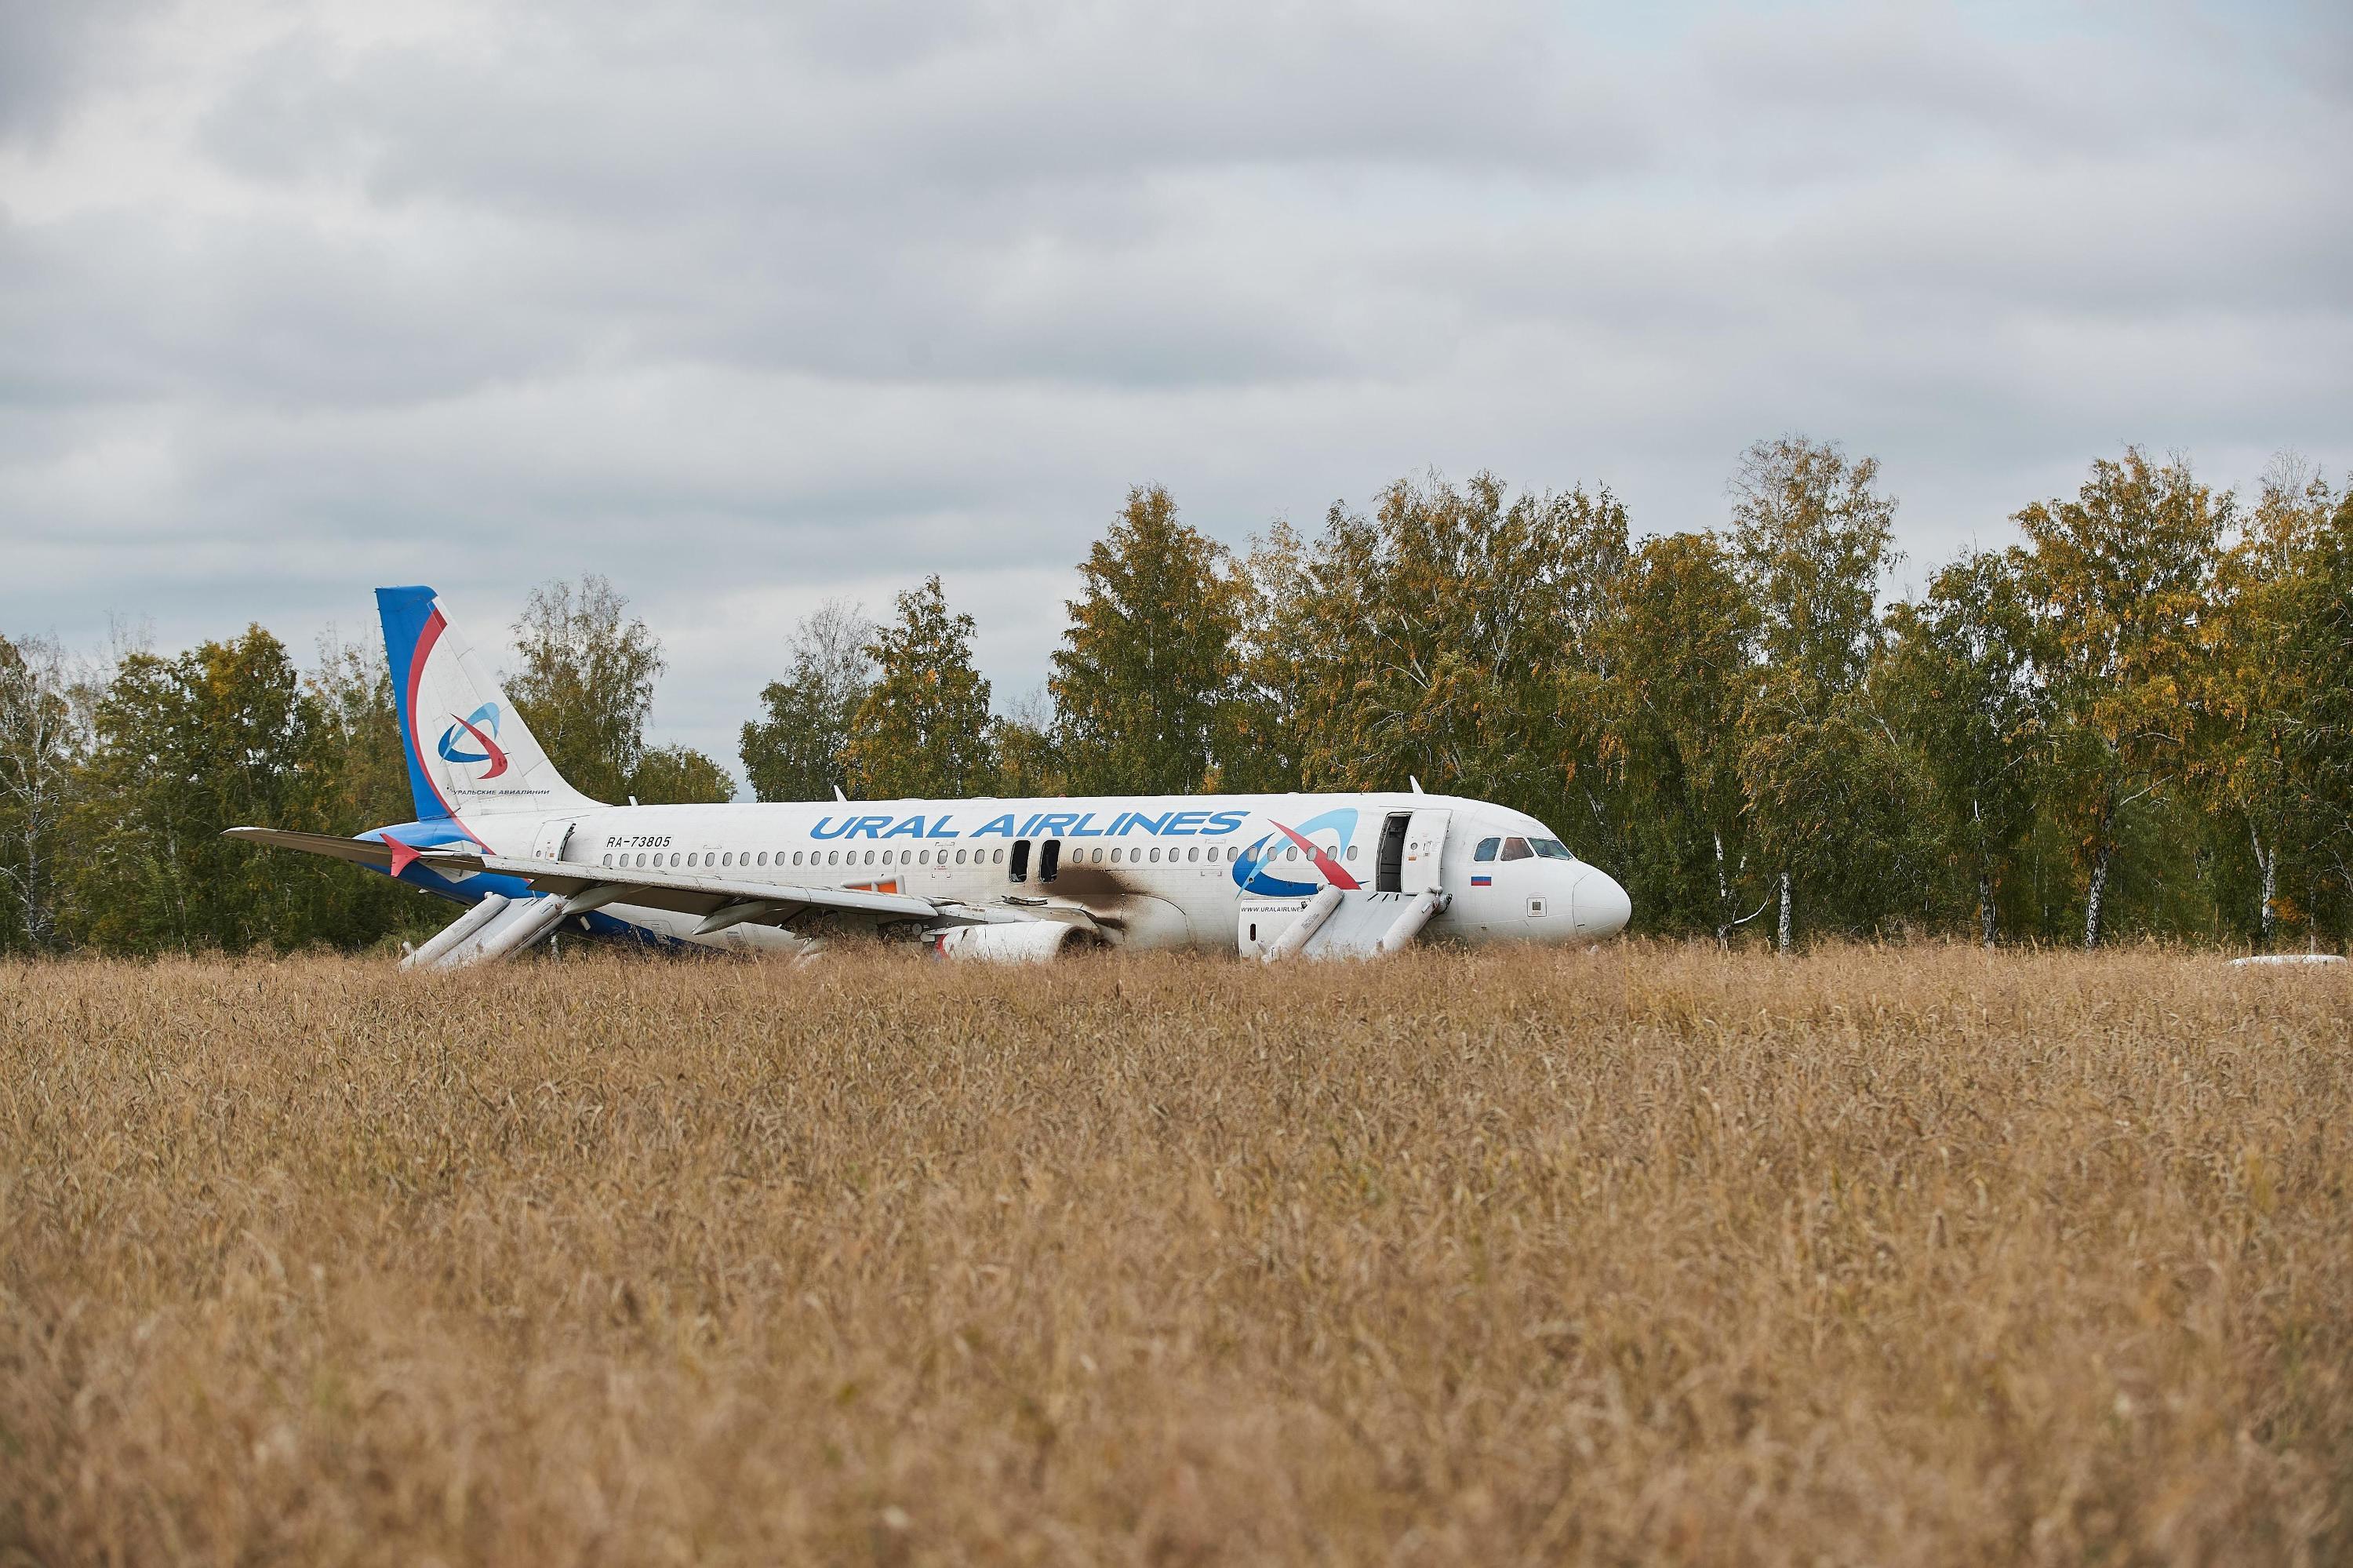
(1602, 906)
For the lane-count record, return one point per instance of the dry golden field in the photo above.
(1644, 1255)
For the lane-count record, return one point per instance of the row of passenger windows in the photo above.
(1521, 849)
(1091, 855)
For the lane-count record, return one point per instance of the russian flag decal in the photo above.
(1482, 882)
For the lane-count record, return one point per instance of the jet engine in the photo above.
(1027, 942)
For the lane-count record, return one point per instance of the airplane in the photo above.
(1267, 876)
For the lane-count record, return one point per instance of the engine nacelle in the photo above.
(1023, 942)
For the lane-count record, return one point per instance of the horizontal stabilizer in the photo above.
(359, 852)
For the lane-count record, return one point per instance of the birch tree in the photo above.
(1963, 678)
(2121, 575)
(43, 735)
(584, 682)
(922, 728)
(1148, 664)
(794, 751)
(1812, 534)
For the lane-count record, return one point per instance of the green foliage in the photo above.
(2321, 767)
(679, 776)
(1147, 665)
(1838, 802)
(796, 751)
(585, 683)
(2140, 720)
(43, 735)
(1028, 758)
(225, 735)
(922, 728)
(1449, 637)
(1962, 684)
(1811, 537)
(1675, 647)
(2120, 576)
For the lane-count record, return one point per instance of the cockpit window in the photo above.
(1487, 850)
(1517, 848)
(1553, 849)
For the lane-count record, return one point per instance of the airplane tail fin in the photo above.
(469, 753)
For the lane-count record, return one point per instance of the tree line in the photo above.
(2136, 718)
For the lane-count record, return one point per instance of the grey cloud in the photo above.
(743, 305)
(50, 52)
(705, 107)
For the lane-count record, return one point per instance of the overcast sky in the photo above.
(746, 305)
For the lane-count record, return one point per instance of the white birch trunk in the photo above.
(2267, 912)
(2097, 897)
(1723, 898)
(1782, 940)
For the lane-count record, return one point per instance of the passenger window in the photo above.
(641, 862)
(1487, 850)
(609, 860)
(959, 857)
(1193, 853)
(1517, 848)
(1352, 852)
(832, 857)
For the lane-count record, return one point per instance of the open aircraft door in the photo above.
(1425, 845)
(553, 837)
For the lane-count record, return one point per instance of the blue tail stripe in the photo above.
(405, 611)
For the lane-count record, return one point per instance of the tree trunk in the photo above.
(2267, 913)
(1988, 915)
(1782, 940)
(2098, 895)
(1722, 899)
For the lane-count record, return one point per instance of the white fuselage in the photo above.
(1162, 872)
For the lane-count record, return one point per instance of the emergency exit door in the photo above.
(1425, 842)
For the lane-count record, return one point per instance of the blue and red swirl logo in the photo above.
(481, 728)
(1250, 872)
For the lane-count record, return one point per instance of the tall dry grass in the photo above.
(1644, 1255)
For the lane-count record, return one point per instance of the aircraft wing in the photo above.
(686, 892)
(719, 901)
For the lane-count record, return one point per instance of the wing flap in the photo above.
(682, 892)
